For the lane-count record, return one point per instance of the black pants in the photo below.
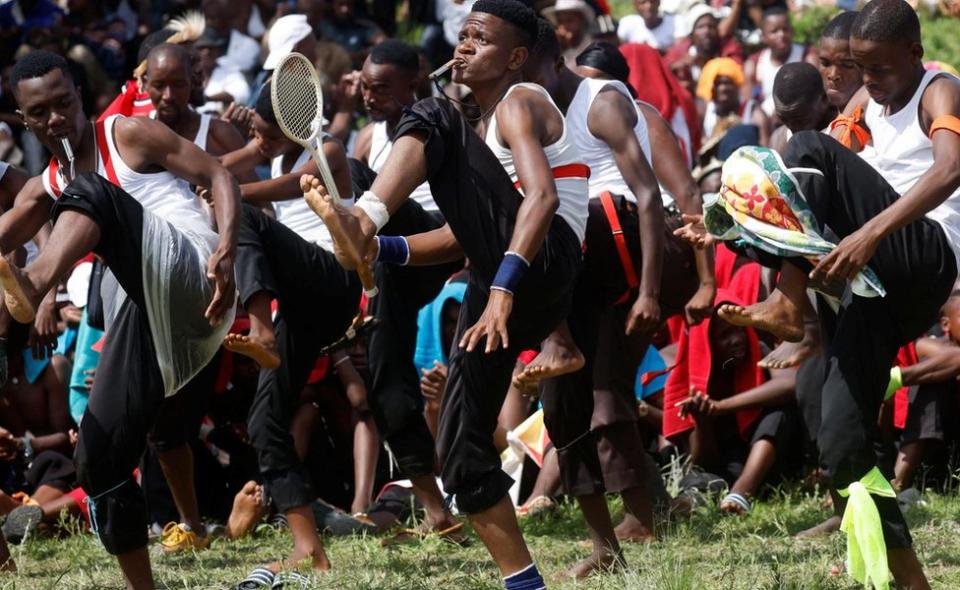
(918, 269)
(317, 301)
(479, 203)
(395, 399)
(127, 397)
(591, 414)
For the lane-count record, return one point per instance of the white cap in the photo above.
(570, 5)
(283, 36)
(690, 18)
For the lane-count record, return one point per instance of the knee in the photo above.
(802, 145)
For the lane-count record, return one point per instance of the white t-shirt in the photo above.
(226, 77)
(633, 29)
(243, 52)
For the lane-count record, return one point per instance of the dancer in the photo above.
(122, 197)
(388, 81)
(900, 215)
(288, 259)
(524, 251)
(591, 413)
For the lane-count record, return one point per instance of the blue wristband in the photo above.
(393, 250)
(512, 270)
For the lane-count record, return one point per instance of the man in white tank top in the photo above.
(388, 82)
(168, 82)
(581, 407)
(119, 196)
(899, 214)
(524, 250)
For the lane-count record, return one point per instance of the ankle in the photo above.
(528, 578)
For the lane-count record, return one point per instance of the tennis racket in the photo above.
(297, 98)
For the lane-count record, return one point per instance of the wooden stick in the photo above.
(444, 68)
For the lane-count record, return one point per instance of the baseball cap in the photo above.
(283, 36)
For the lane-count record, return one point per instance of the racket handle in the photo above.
(369, 284)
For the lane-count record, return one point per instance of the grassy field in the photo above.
(757, 552)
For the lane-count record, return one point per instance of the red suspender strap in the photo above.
(52, 177)
(105, 156)
(610, 210)
(566, 171)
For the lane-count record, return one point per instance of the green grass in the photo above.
(752, 553)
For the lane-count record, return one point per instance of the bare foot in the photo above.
(247, 510)
(825, 528)
(632, 531)
(348, 239)
(606, 562)
(16, 293)
(558, 356)
(318, 561)
(776, 315)
(793, 354)
(263, 353)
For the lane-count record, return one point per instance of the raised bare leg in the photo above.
(261, 343)
(780, 314)
(793, 354)
(559, 355)
(73, 236)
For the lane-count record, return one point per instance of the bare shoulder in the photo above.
(227, 136)
(142, 131)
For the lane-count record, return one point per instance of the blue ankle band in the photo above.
(528, 578)
(393, 250)
(512, 270)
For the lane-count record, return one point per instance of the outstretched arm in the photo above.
(941, 180)
(612, 118)
(287, 186)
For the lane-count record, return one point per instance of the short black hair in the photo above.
(396, 53)
(152, 40)
(547, 45)
(797, 83)
(519, 15)
(775, 11)
(264, 106)
(887, 21)
(605, 57)
(36, 64)
(839, 26)
(178, 51)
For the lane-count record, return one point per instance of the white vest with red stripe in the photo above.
(162, 193)
(596, 153)
(573, 191)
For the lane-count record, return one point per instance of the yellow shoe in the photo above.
(177, 537)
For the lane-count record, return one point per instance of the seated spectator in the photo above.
(723, 108)
(801, 103)
(354, 34)
(223, 82)
(240, 52)
(701, 43)
(744, 422)
(744, 19)
(289, 34)
(572, 19)
(779, 49)
(648, 26)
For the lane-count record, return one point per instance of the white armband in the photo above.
(375, 209)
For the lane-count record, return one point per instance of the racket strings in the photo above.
(296, 98)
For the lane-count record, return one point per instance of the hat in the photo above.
(585, 9)
(283, 36)
(211, 38)
(689, 19)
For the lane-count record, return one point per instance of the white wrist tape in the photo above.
(375, 209)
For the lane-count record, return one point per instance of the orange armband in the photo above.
(948, 122)
(851, 128)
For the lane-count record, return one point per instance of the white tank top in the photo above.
(596, 153)
(902, 153)
(767, 73)
(162, 193)
(380, 146)
(572, 192)
(296, 214)
(202, 132)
